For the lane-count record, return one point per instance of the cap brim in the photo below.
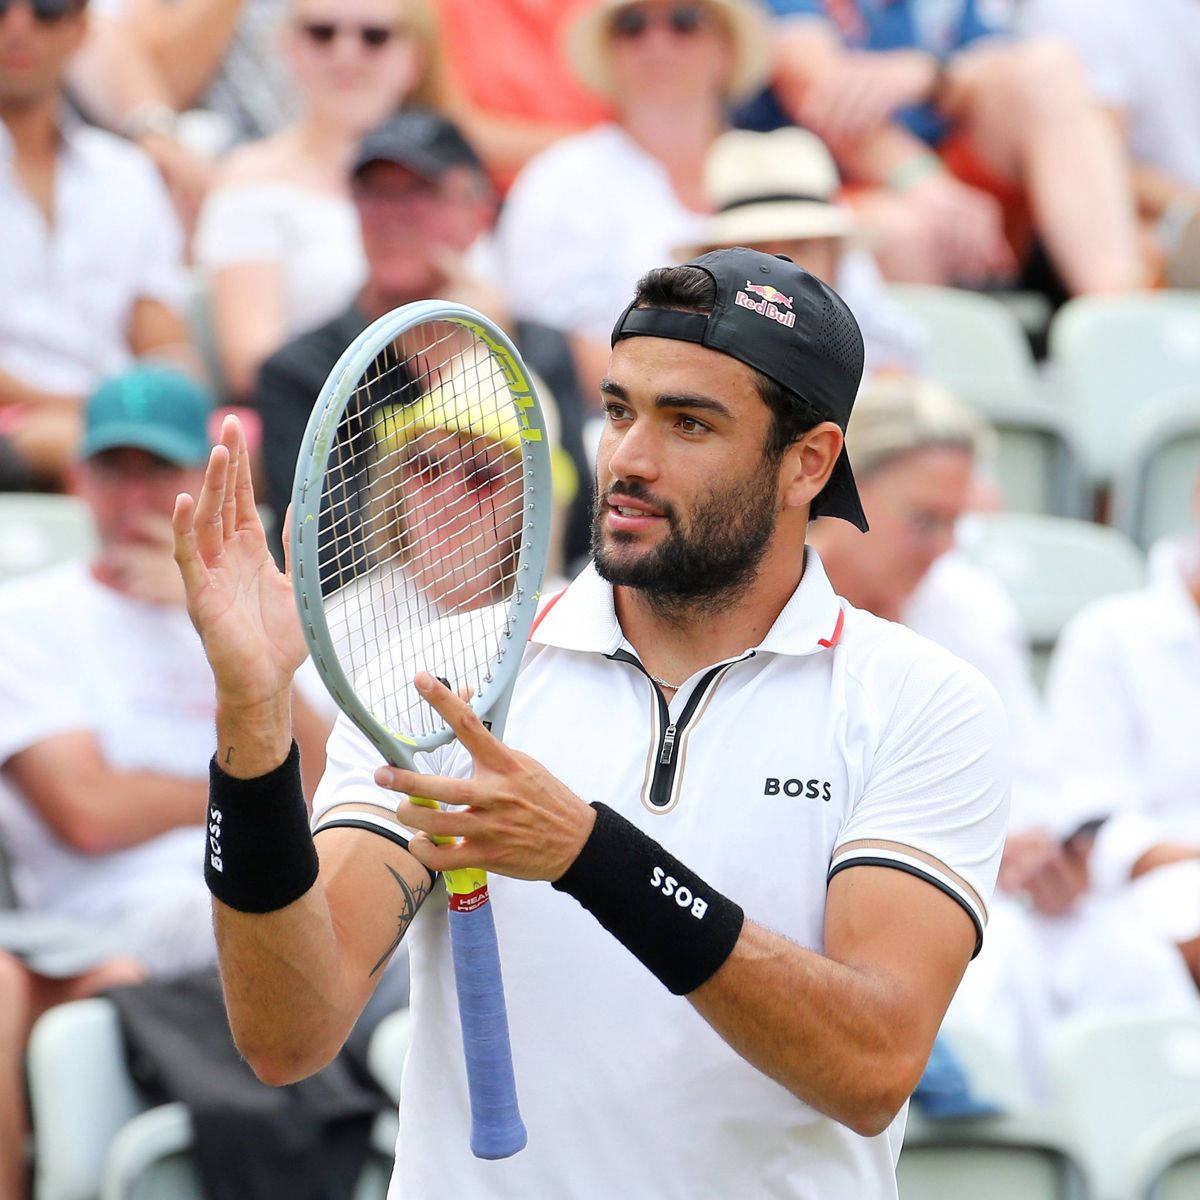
(165, 443)
(775, 221)
(425, 165)
(586, 49)
(839, 496)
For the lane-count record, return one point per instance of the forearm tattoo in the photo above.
(413, 898)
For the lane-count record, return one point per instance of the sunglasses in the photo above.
(633, 21)
(47, 11)
(325, 33)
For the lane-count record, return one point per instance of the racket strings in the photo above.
(421, 521)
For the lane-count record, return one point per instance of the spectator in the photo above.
(778, 192)
(106, 715)
(1124, 691)
(1059, 944)
(91, 274)
(1143, 62)
(938, 116)
(423, 201)
(278, 239)
(598, 209)
(507, 82)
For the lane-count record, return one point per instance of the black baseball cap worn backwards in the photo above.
(785, 322)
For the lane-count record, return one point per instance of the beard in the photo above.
(702, 564)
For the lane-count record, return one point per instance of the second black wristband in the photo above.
(673, 922)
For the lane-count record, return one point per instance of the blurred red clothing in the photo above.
(506, 55)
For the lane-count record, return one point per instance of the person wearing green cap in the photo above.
(106, 712)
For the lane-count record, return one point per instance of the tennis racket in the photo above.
(420, 524)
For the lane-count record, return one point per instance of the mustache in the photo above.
(635, 490)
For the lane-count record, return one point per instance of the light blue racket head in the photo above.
(420, 524)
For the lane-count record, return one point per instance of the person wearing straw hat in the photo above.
(599, 208)
(778, 192)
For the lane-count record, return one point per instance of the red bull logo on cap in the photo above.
(771, 303)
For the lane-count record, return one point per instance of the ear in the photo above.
(807, 464)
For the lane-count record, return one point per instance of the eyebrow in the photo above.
(610, 387)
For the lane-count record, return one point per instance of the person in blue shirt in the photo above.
(952, 127)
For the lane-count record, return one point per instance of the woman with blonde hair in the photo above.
(278, 243)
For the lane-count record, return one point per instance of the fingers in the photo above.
(231, 439)
(458, 714)
(455, 856)
(191, 566)
(246, 510)
(206, 517)
(439, 788)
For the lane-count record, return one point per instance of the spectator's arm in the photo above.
(94, 807)
(158, 330)
(186, 40)
(247, 304)
(16, 392)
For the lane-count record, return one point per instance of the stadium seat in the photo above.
(1116, 1079)
(1020, 1157)
(1112, 354)
(39, 529)
(1038, 466)
(80, 1095)
(1152, 491)
(977, 347)
(96, 1136)
(150, 1158)
(1051, 566)
(1165, 1160)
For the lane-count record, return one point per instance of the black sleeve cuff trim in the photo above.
(357, 823)
(911, 870)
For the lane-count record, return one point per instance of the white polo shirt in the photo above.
(840, 740)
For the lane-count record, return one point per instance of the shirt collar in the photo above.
(584, 617)
(69, 126)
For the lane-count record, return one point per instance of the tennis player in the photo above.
(770, 822)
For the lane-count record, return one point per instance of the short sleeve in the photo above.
(351, 762)
(936, 794)
(239, 223)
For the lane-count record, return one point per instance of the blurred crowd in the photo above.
(202, 202)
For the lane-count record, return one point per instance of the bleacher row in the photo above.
(1122, 1121)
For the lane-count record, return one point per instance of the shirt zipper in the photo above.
(666, 765)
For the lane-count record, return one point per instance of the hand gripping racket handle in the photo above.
(497, 1130)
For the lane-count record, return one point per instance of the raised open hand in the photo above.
(240, 603)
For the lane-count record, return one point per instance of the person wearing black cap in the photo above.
(780, 807)
(422, 199)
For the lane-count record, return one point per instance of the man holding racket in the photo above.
(777, 806)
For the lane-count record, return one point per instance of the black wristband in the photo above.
(260, 854)
(666, 915)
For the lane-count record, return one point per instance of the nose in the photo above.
(629, 453)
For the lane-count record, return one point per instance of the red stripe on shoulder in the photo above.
(834, 637)
(541, 616)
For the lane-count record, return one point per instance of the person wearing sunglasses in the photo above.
(91, 267)
(278, 238)
(599, 208)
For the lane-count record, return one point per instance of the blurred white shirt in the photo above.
(67, 290)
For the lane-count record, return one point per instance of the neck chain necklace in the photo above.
(663, 683)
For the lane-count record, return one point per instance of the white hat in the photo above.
(770, 187)
(586, 44)
(895, 415)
